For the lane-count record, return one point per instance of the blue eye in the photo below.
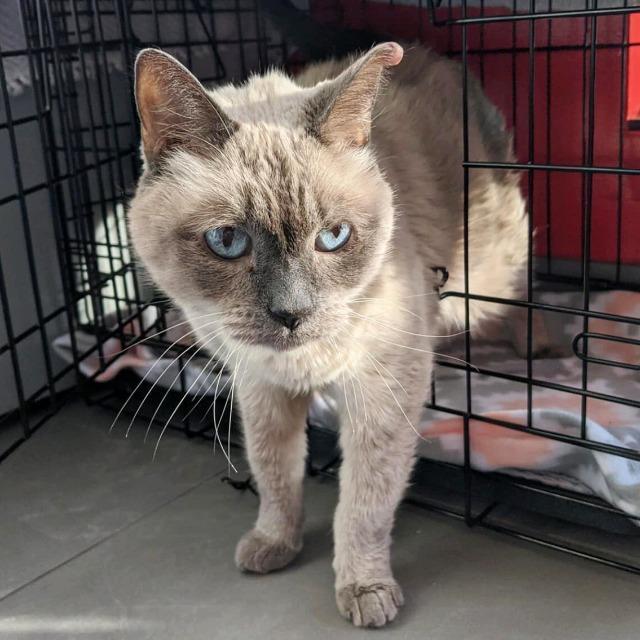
(228, 242)
(334, 238)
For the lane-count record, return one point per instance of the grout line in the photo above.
(113, 534)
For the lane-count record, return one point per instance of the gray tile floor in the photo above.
(99, 541)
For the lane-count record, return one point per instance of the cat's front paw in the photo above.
(370, 605)
(257, 554)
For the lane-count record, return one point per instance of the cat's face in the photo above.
(272, 228)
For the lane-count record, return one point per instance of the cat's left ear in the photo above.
(340, 112)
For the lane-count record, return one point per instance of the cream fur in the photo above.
(370, 337)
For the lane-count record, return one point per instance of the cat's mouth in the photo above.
(264, 332)
(284, 340)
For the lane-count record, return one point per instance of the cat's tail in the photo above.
(314, 40)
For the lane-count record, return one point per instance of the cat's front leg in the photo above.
(274, 425)
(378, 454)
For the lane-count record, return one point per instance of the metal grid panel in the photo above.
(67, 100)
(77, 117)
(528, 50)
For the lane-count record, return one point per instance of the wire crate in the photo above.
(69, 133)
(565, 75)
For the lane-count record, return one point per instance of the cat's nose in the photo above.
(289, 319)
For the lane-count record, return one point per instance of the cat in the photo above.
(299, 224)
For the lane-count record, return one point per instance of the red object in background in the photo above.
(633, 99)
(560, 111)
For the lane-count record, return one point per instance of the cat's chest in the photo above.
(299, 371)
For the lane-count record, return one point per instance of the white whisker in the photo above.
(173, 326)
(216, 424)
(212, 406)
(414, 295)
(179, 404)
(146, 375)
(393, 395)
(208, 338)
(233, 386)
(346, 401)
(410, 333)
(399, 308)
(206, 391)
(433, 353)
(389, 372)
(355, 397)
(364, 402)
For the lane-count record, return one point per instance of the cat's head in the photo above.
(274, 223)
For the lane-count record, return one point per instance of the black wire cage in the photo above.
(70, 287)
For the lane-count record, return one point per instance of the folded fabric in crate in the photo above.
(612, 418)
(494, 448)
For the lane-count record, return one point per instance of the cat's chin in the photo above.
(286, 344)
(282, 344)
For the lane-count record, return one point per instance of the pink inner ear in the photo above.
(393, 53)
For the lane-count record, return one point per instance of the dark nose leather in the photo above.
(286, 318)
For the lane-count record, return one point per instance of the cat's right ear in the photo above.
(341, 110)
(174, 108)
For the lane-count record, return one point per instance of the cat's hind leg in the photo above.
(274, 425)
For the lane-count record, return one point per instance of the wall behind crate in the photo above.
(499, 54)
